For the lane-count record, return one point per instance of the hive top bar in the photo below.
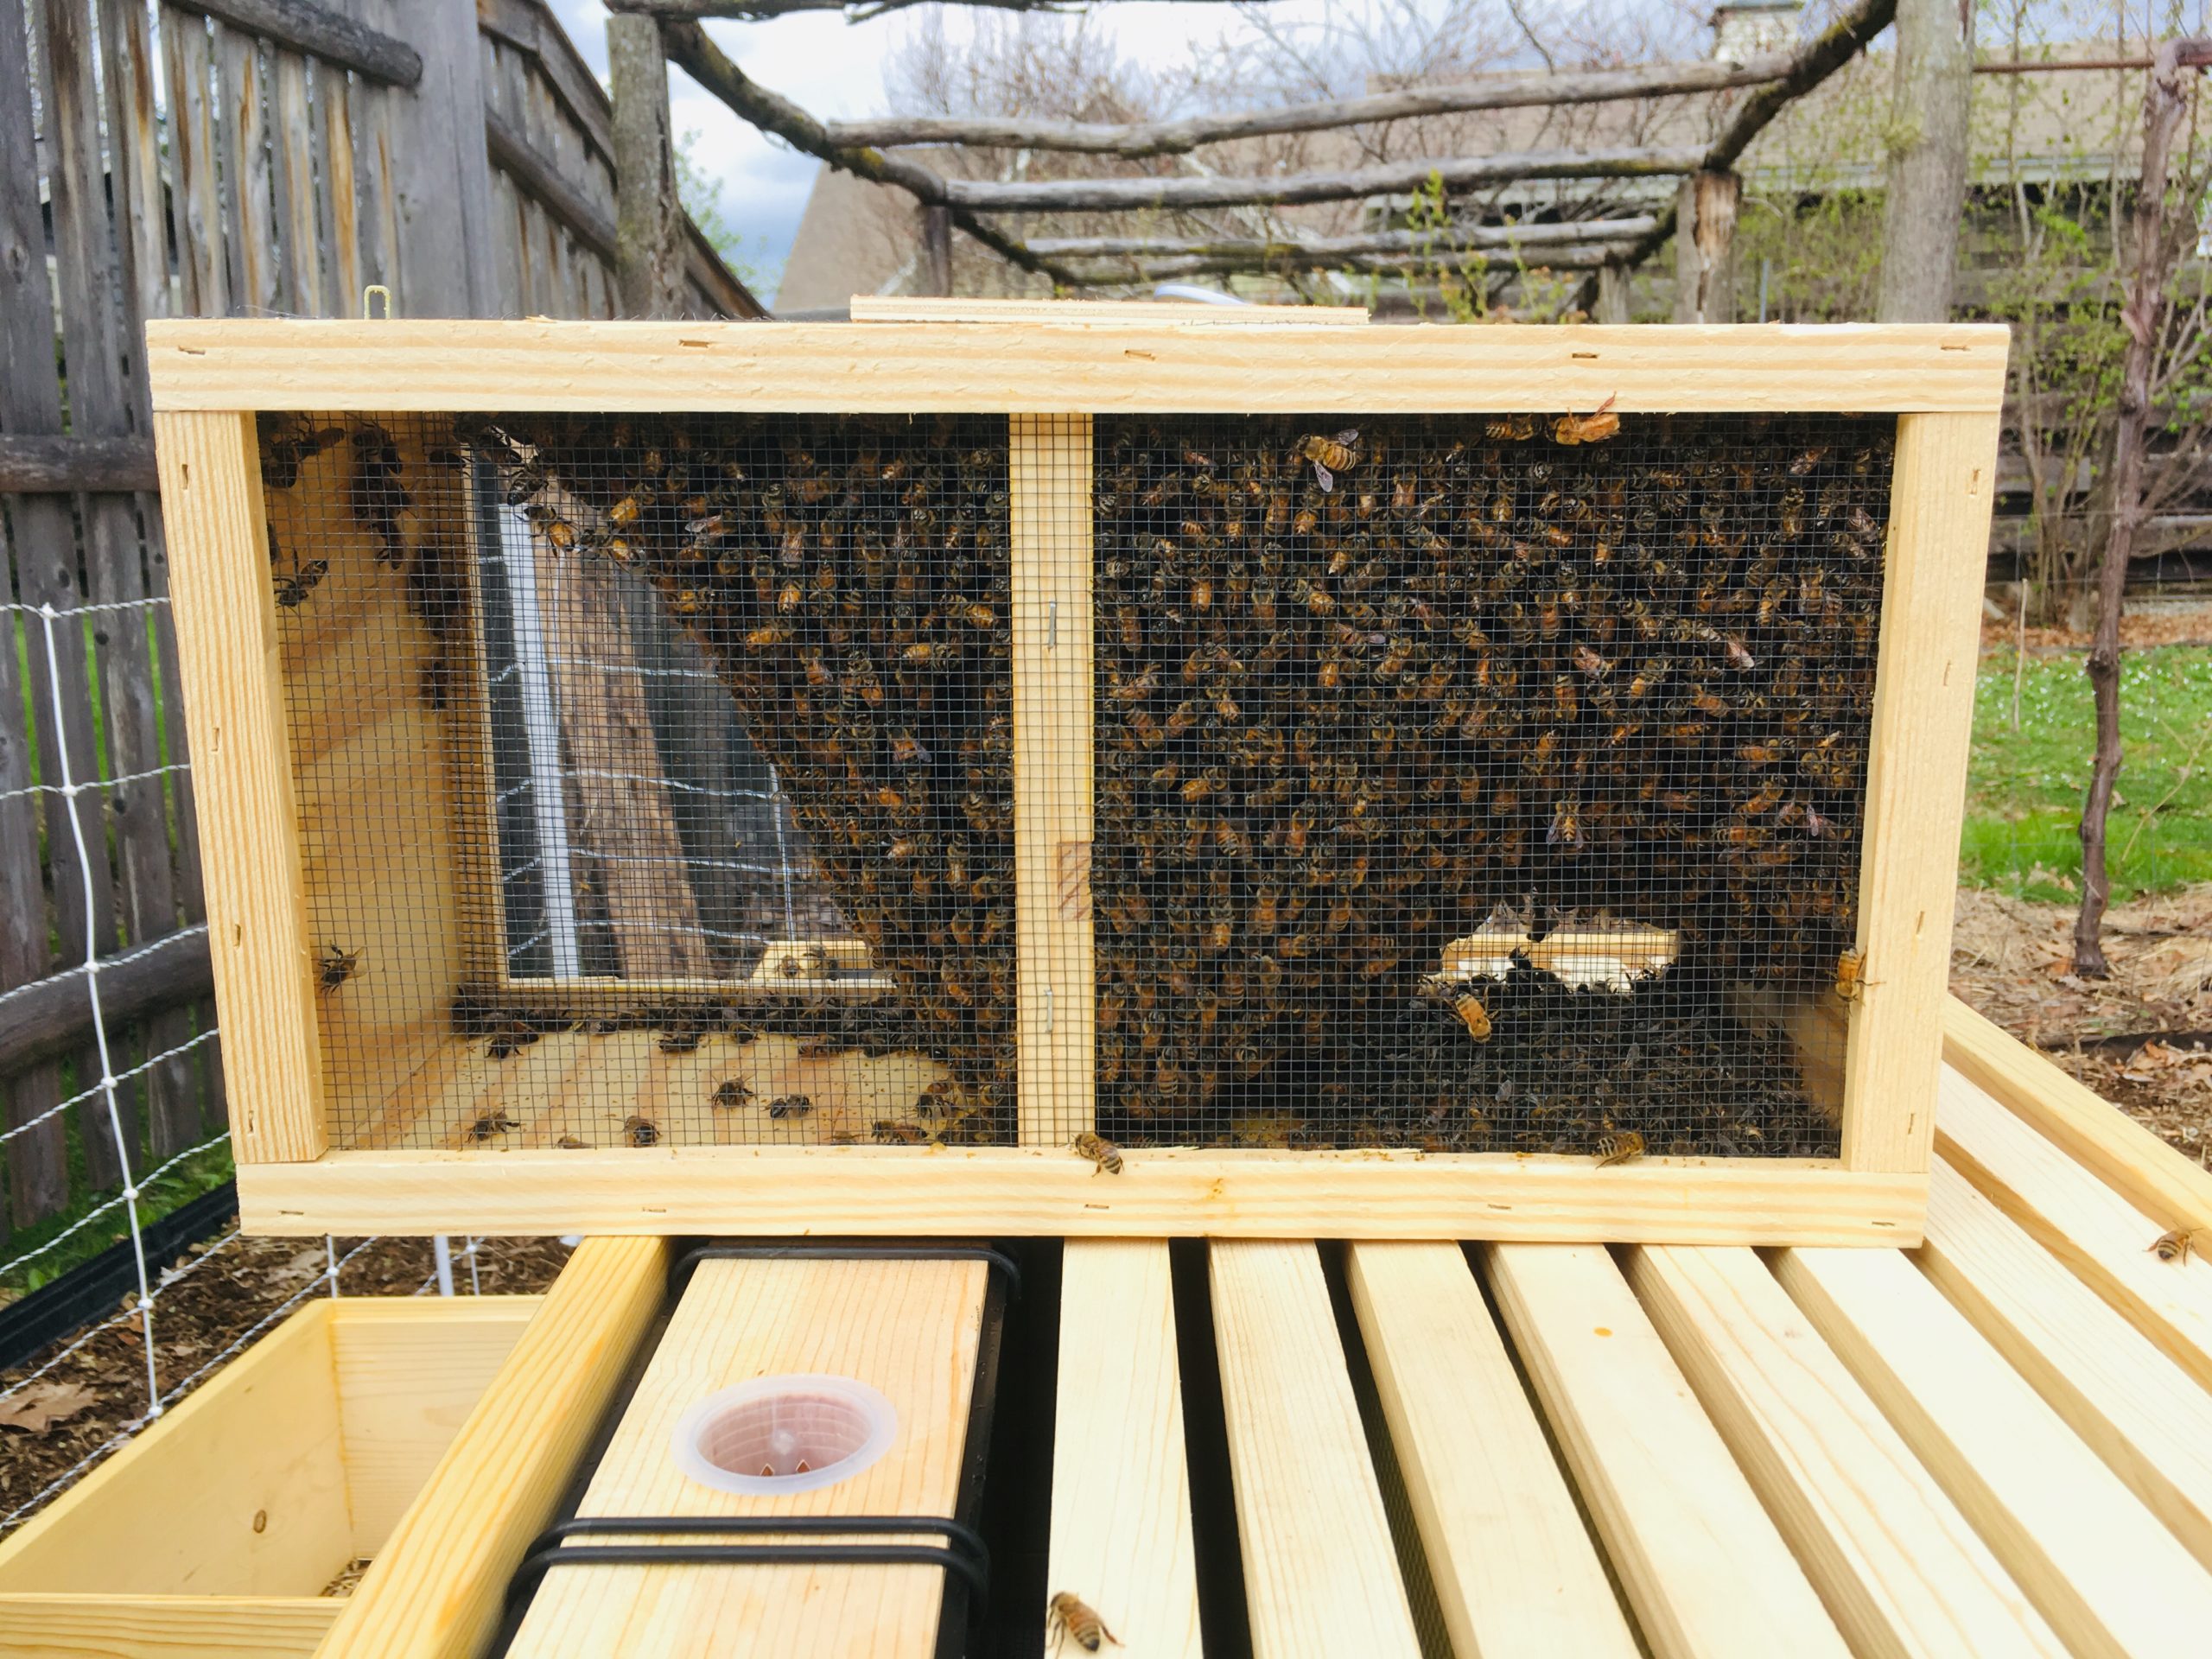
(1048, 365)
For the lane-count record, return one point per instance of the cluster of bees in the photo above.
(1358, 687)
(850, 579)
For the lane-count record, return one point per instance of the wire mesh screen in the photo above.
(655, 774)
(1482, 785)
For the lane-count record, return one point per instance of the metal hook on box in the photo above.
(1052, 624)
(368, 309)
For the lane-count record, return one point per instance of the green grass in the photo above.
(2024, 787)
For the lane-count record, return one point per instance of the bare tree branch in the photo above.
(1145, 138)
(1457, 240)
(1286, 258)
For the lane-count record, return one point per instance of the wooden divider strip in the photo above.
(1705, 1571)
(2108, 1576)
(67, 1626)
(1320, 1571)
(1120, 1531)
(1049, 487)
(1903, 1574)
(1516, 1572)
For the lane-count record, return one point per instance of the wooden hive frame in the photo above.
(210, 379)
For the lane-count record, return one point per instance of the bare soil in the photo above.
(2013, 960)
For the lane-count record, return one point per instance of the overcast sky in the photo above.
(830, 68)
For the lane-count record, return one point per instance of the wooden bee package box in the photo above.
(1101, 776)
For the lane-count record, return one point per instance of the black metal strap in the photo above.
(857, 1250)
(963, 1553)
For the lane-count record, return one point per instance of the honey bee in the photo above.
(1593, 428)
(293, 590)
(492, 1125)
(891, 1133)
(1619, 1146)
(1330, 456)
(786, 1106)
(338, 966)
(1510, 428)
(1850, 981)
(569, 1143)
(640, 1131)
(681, 1040)
(290, 450)
(731, 1092)
(1107, 1156)
(1068, 1617)
(1473, 1015)
(2173, 1246)
(1805, 460)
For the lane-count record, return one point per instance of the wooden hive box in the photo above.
(1338, 764)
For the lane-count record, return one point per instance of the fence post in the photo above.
(648, 213)
(446, 264)
(1705, 264)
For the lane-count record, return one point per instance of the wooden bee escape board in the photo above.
(1087, 777)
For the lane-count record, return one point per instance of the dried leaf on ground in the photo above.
(41, 1406)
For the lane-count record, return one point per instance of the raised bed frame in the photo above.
(210, 378)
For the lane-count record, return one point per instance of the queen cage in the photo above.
(794, 779)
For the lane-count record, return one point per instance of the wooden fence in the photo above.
(238, 157)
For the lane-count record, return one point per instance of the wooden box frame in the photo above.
(210, 378)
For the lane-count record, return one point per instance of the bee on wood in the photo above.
(292, 591)
(1850, 981)
(1593, 428)
(640, 1131)
(1070, 1618)
(731, 1093)
(1330, 456)
(570, 1143)
(1101, 1152)
(683, 1040)
(510, 1038)
(374, 493)
(2174, 1246)
(560, 535)
(889, 1132)
(1510, 428)
(1619, 1146)
(784, 1106)
(492, 1125)
(338, 966)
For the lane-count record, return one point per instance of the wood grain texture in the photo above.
(2131, 1405)
(175, 1512)
(250, 852)
(902, 308)
(408, 1372)
(1320, 1572)
(1050, 1191)
(1049, 481)
(1516, 1574)
(1121, 1528)
(2173, 1190)
(1892, 1558)
(108, 1626)
(907, 1328)
(2098, 1565)
(2102, 1238)
(1937, 560)
(1705, 1571)
(435, 1590)
(1035, 368)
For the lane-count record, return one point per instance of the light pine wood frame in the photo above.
(1944, 382)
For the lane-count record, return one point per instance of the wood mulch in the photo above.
(213, 1296)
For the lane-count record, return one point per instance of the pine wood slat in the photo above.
(1025, 368)
(1514, 1569)
(435, 1590)
(1121, 1529)
(2135, 1408)
(2143, 1169)
(1049, 480)
(2102, 1238)
(1937, 559)
(2108, 1576)
(909, 1328)
(1705, 1571)
(1320, 1572)
(81, 1626)
(1896, 1562)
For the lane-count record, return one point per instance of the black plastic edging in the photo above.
(95, 1287)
